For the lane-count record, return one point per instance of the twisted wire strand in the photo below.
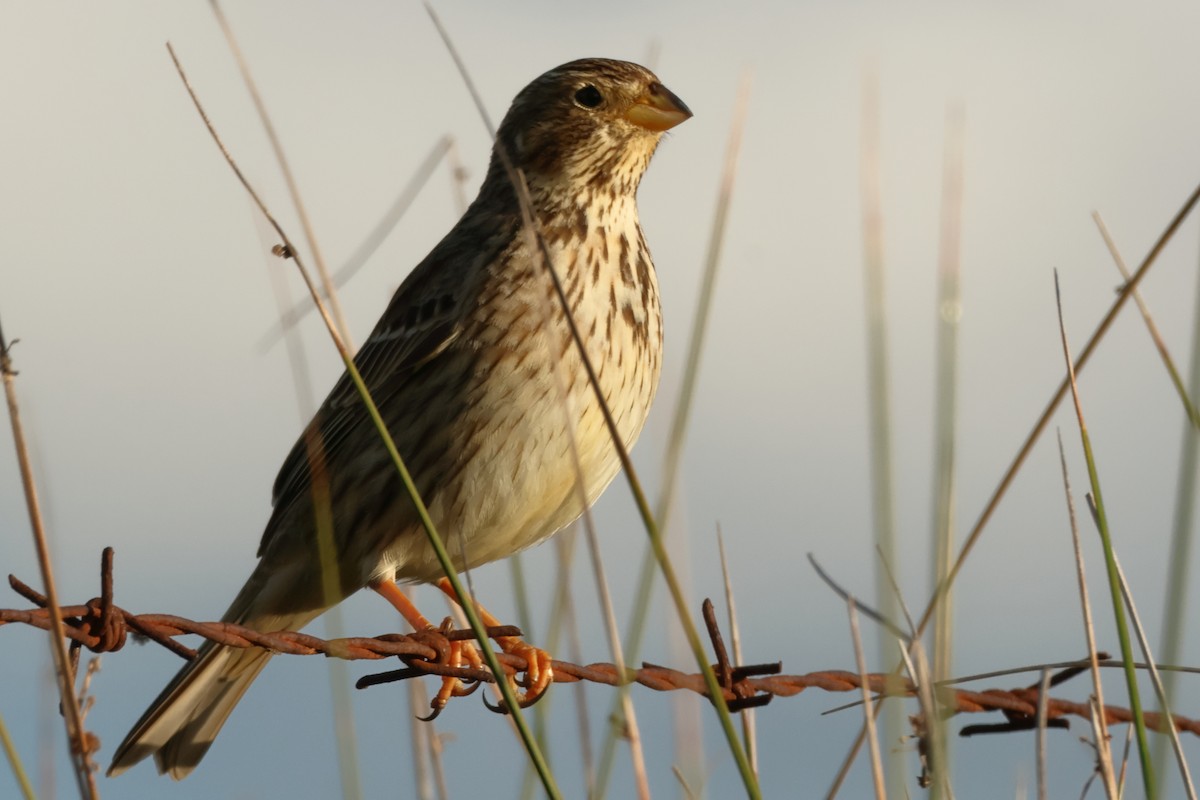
(103, 627)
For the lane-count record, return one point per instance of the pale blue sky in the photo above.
(132, 270)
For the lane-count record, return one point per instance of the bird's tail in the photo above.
(183, 721)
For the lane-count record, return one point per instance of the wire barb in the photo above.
(733, 679)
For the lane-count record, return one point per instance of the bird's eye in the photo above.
(589, 97)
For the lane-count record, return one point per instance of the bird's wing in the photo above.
(422, 320)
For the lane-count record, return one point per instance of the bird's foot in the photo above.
(529, 686)
(460, 652)
(539, 667)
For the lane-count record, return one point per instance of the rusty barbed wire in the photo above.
(102, 627)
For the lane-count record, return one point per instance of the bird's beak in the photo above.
(658, 109)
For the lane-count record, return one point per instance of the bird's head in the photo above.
(591, 123)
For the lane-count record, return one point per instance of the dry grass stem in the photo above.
(931, 711)
(900, 601)
(374, 238)
(1148, 318)
(1100, 726)
(868, 707)
(949, 312)
(1044, 419)
(1156, 680)
(575, 648)
(285, 168)
(878, 379)
(1125, 760)
(339, 676)
(1148, 777)
(688, 791)
(14, 763)
(1042, 717)
(1179, 555)
(749, 731)
(81, 747)
(422, 734)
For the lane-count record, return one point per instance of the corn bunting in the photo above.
(480, 383)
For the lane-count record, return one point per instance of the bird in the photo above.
(480, 383)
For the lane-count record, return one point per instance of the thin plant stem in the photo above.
(72, 715)
(563, 616)
(632, 729)
(339, 673)
(435, 540)
(421, 748)
(918, 670)
(1135, 702)
(14, 763)
(1175, 609)
(1052, 405)
(372, 241)
(1034, 434)
(949, 312)
(1178, 573)
(894, 585)
(688, 792)
(1043, 709)
(749, 732)
(575, 648)
(345, 741)
(1125, 760)
(516, 571)
(878, 386)
(860, 661)
(285, 168)
(1103, 740)
(1156, 680)
(1151, 327)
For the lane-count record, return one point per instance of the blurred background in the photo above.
(133, 271)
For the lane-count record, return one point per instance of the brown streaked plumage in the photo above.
(476, 376)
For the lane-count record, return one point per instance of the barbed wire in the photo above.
(103, 627)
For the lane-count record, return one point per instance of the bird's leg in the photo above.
(539, 669)
(451, 687)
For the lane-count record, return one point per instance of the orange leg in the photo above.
(539, 670)
(451, 687)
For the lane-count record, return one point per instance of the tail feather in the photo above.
(182, 723)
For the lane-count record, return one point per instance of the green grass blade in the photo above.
(1114, 580)
(883, 511)
(14, 763)
(1179, 558)
(949, 312)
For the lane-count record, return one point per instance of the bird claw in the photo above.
(454, 653)
(539, 670)
(450, 654)
(531, 687)
(539, 674)
(539, 666)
